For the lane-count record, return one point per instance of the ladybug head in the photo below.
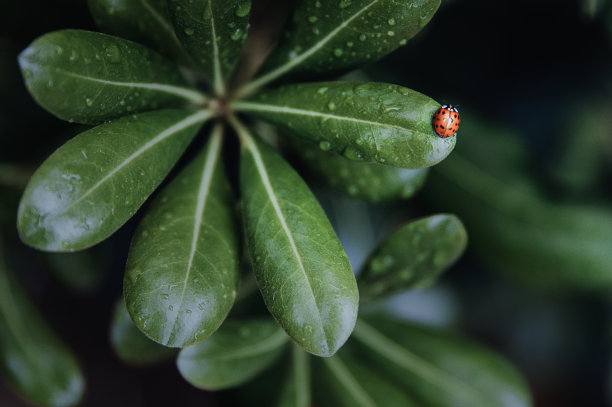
(450, 107)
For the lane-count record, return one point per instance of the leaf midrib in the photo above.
(170, 131)
(210, 163)
(350, 383)
(250, 106)
(272, 196)
(218, 75)
(186, 93)
(161, 21)
(405, 359)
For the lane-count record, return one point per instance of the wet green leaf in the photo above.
(144, 21)
(512, 224)
(301, 268)
(327, 37)
(238, 351)
(437, 368)
(95, 182)
(368, 181)
(182, 271)
(130, 344)
(413, 257)
(342, 381)
(365, 121)
(213, 33)
(89, 77)
(34, 360)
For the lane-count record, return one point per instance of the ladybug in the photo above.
(446, 121)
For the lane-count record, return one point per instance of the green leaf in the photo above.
(301, 268)
(213, 33)
(182, 271)
(34, 360)
(365, 121)
(327, 37)
(436, 368)
(368, 181)
(413, 257)
(238, 351)
(342, 381)
(296, 390)
(88, 77)
(143, 21)
(130, 344)
(95, 182)
(488, 184)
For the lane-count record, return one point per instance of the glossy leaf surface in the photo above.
(301, 268)
(34, 360)
(367, 121)
(143, 21)
(95, 182)
(182, 271)
(328, 37)
(238, 351)
(489, 186)
(213, 33)
(368, 181)
(89, 77)
(130, 344)
(437, 368)
(413, 256)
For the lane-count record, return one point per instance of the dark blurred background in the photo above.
(526, 65)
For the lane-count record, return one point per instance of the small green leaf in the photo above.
(143, 21)
(365, 121)
(88, 77)
(33, 359)
(301, 268)
(130, 344)
(368, 181)
(182, 271)
(95, 182)
(488, 183)
(437, 368)
(238, 351)
(327, 37)
(342, 381)
(213, 33)
(413, 256)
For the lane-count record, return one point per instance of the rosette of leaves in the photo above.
(147, 104)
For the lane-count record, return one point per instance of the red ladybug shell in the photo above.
(446, 121)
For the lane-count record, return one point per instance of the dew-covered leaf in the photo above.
(182, 271)
(512, 225)
(213, 33)
(131, 345)
(413, 256)
(238, 351)
(34, 360)
(89, 77)
(95, 182)
(436, 368)
(301, 268)
(367, 121)
(326, 37)
(368, 181)
(144, 21)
